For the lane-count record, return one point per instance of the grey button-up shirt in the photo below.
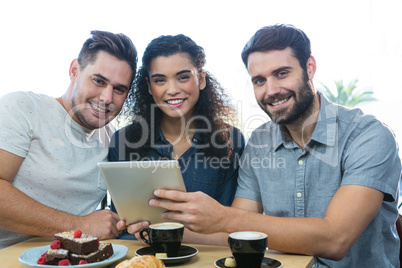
(346, 147)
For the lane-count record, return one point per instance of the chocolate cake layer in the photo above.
(81, 246)
(105, 251)
(53, 256)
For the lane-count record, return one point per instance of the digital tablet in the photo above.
(131, 185)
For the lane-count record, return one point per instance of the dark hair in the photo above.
(117, 45)
(212, 104)
(278, 37)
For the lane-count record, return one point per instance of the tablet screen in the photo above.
(131, 185)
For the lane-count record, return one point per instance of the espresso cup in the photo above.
(164, 237)
(248, 248)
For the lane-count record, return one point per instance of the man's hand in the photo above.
(134, 228)
(197, 211)
(101, 224)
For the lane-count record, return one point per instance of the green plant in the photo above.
(348, 95)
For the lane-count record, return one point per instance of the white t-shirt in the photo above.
(60, 156)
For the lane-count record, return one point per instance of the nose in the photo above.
(107, 95)
(172, 88)
(271, 88)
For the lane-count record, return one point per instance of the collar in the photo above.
(160, 137)
(325, 131)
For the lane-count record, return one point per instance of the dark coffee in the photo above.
(164, 237)
(248, 248)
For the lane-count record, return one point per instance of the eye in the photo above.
(184, 78)
(259, 81)
(158, 80)
(119, 91)
(98, 81)
(282, 74)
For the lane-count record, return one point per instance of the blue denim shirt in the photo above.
(346, 147)
(199, 174)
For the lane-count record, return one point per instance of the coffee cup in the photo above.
(164, 237)
(248, 248)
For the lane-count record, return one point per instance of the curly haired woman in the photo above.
(179, 111)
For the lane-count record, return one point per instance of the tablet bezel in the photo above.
(131, 185)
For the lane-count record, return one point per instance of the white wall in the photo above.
(350, 39)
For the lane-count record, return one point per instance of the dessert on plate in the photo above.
(74, 247)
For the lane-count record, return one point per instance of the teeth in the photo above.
(174, 101)
(98, 109)
(279, 102)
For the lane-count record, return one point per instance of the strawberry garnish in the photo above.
(77, 234)
(55, 244)
(64, 262)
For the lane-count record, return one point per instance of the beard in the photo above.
(83, 114)
(301, 109)
(78, 110)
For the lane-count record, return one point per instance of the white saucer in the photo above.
(185, 254)
(266, 263)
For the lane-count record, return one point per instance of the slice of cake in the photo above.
(53, 256)
(77, 243)
(105, 251)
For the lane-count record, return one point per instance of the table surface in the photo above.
(206, 257)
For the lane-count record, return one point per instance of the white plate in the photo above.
(30, 257)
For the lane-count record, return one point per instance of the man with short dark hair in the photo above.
(49, 148)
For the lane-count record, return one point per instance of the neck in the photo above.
(65, 100)
(302, 129)
(177, 128)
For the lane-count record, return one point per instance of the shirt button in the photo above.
(301, 162)
(299, 195)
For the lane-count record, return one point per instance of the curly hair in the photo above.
(212, 106)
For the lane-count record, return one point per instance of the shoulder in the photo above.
(363, 126)
(27, 100)
(19, 97)
(28, 105)
(348, 118)
(126, 134)
(117, 135)
(367, 139)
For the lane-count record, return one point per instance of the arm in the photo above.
(210, 235)
(348, 214)
(20, 213)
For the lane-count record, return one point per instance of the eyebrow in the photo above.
(280, 69)
(107, 80)
(178, 73)
(183, 71)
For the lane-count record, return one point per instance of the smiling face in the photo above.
(282, 88)
(175, 84)
(98, 92)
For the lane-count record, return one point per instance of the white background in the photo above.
(350, 39)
